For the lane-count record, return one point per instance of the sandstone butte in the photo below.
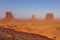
(49, 26)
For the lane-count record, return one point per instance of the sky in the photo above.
(26, 8)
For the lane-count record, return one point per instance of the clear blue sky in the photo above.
(25, 8)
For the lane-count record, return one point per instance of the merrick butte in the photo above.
(49, 26)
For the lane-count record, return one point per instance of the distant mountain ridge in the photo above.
(9, 16)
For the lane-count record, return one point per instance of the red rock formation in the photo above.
(9, 16)
(49, 16)
(33, 17)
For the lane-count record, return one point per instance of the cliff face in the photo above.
(10, 34)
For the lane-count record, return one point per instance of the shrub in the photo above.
(17, 38)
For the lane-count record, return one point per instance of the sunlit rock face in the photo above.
(49, 16)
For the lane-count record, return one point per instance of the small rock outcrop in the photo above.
(33, 17)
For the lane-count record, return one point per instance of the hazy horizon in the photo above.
(26, 8)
